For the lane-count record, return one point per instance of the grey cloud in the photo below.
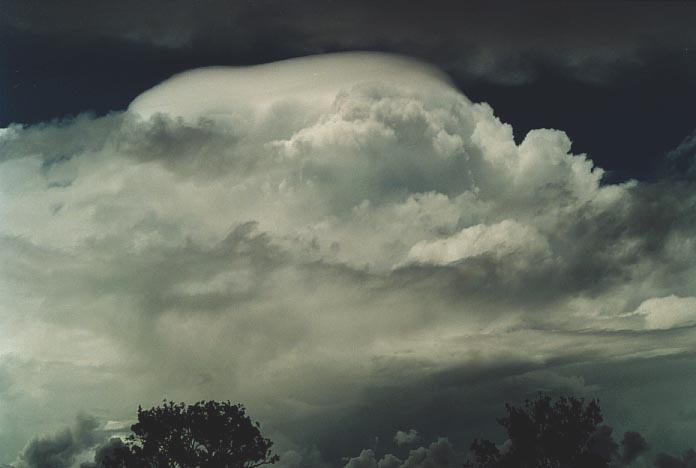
(687, 460)
(680, 162)
(623, 453)
(463, 404)
(106, 453)
(366, 459)
(504, 41)
(58, 141)
(439, 454)
(406, 437)
(269, 262)
(389, 461)
(633, 445)
(304, 458)
(687, 415)
(631, 449)
(59, 450)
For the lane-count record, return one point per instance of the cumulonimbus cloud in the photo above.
(296, 234)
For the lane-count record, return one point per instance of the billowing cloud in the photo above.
(366, 459)
(406, 437)
(439, 454)
(668, 312)
(680, 162)
(60, 449)
(310, 236)
(502, 239)
(308, 457)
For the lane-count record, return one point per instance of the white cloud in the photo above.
(668, 312)
(406, 437)
(439, 454)
(365, 226)
(366, 459)
(236, 94)
(503, 239)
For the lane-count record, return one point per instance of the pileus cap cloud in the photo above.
(225, 92)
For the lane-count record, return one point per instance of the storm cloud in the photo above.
(345, 228)
(60, 449)
(505, 41)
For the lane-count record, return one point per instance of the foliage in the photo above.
(206, 434)
(548, 434)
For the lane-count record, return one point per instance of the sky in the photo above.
(373, 223)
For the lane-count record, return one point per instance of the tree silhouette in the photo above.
(206, 434)
(547, 434)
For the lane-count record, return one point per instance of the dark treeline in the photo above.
(567, 432)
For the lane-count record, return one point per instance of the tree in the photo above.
(113, 454)
(206, 434)
(547, 434)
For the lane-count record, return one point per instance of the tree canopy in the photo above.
(565, 433)
(206, 434)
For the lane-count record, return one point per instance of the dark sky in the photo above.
(352, 245)
(618, 77)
